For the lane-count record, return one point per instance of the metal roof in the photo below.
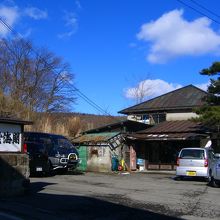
(95, 138)
(167, 136)
(174, 127)
(171, 130)
(187, 97)
(121, 126)
(8, 120)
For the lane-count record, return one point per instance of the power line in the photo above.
(10, 28)
(93, 104)
(206, 9)
(201, 13)
(80, 94)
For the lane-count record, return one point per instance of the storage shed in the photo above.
(96, 150)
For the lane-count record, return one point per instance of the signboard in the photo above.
(10, 137)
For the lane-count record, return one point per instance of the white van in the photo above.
(194, 162)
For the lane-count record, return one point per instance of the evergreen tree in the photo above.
(210, 113)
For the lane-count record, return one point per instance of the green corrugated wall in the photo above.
(83, 155)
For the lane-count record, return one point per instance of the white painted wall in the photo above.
(180, 116)
(169, 117)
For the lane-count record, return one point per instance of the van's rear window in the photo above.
(192, 154)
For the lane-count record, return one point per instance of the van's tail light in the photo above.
(178, 161)
(206, 163)
(25, 148)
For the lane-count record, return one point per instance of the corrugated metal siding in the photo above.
(83, 155)
(95, 137)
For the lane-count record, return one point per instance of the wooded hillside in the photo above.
(70, 124)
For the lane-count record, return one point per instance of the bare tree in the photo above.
(35, 77)
(141, 89)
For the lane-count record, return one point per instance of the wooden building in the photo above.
(98, 147)
(170, 114)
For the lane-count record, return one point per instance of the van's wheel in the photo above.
(209, 178)
(49, 168)
(65, 170)
(213, 182)
(62, 171)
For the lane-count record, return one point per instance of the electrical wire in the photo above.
(80, 94)
(206, 9)
(93, 104)
(201, 13)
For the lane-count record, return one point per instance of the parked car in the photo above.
(215, 172)
(59, 150)
(38, 158)
(194, 162)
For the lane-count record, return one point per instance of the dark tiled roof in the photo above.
(187, 97)
(171, 130)
(174, 127)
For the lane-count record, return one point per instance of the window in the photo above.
(62, 142)
(158, 118)
(192, 154)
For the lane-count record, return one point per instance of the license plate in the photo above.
(191, 173)
(38, 169)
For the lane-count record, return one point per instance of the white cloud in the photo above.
(13, 14)
(172, 36)
(150, 88)
(10, 16)
(35, 13)
(153, 88)
(71, 23)
(203, 86)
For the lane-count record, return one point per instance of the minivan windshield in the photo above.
(192, 154)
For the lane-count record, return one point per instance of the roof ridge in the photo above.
(190, 85)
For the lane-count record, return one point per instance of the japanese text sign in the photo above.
(10, 137)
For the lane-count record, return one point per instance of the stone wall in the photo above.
(14, 174)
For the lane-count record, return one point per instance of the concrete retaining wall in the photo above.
(14, 174)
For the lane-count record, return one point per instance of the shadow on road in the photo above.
(57, 172)
(36, 187)
(38, 205)
(189, 179)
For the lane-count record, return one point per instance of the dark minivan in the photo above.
(49, 152)
(38, 158)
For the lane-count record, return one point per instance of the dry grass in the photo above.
(67, 124)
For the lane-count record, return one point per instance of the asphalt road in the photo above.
(114, 196)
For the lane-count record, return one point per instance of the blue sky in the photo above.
(117, 48)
